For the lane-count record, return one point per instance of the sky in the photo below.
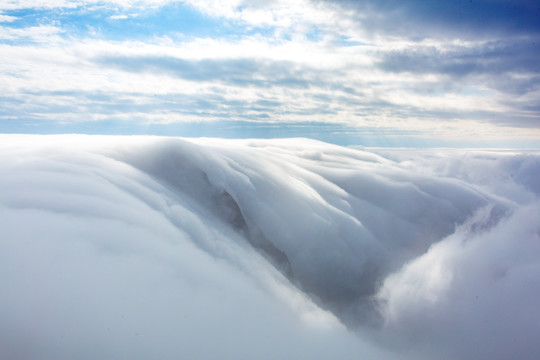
(375, 73)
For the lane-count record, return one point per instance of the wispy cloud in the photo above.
(375, 65)
(7, 18)
(38, 34)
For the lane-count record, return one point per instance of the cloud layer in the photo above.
(101, 260)
(148, 247)
(456, 72)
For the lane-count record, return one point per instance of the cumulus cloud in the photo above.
(472, 295)
(162, 247)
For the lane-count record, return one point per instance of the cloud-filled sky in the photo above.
(414, 73)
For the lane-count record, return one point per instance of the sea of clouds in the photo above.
(168, 248)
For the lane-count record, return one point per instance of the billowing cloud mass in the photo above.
(444, 73)
(150, 247)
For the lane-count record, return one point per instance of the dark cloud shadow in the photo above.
(461, 18)
(238, 72)
(494, 58)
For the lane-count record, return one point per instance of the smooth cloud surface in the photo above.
(147, 247)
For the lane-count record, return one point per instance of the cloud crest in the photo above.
(146, 246)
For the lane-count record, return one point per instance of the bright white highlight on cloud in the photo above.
(478, 287)
(145, 247)
(7, 18)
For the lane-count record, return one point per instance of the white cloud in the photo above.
(118, 17)
(296, 19)
(340, 85)
(472, 296)
(70, 4)
(99, 259)
(39, 34)
(131, 271)
(7, 18)
(154, 247)
(315, 61)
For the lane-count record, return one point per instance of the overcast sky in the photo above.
(384, 73)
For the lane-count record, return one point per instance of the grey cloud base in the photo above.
(451, 18)
(148, 247)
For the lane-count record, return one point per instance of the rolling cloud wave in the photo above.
(147, 247)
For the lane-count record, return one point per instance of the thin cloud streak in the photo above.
(447, 18)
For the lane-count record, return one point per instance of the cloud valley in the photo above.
(146, 247)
